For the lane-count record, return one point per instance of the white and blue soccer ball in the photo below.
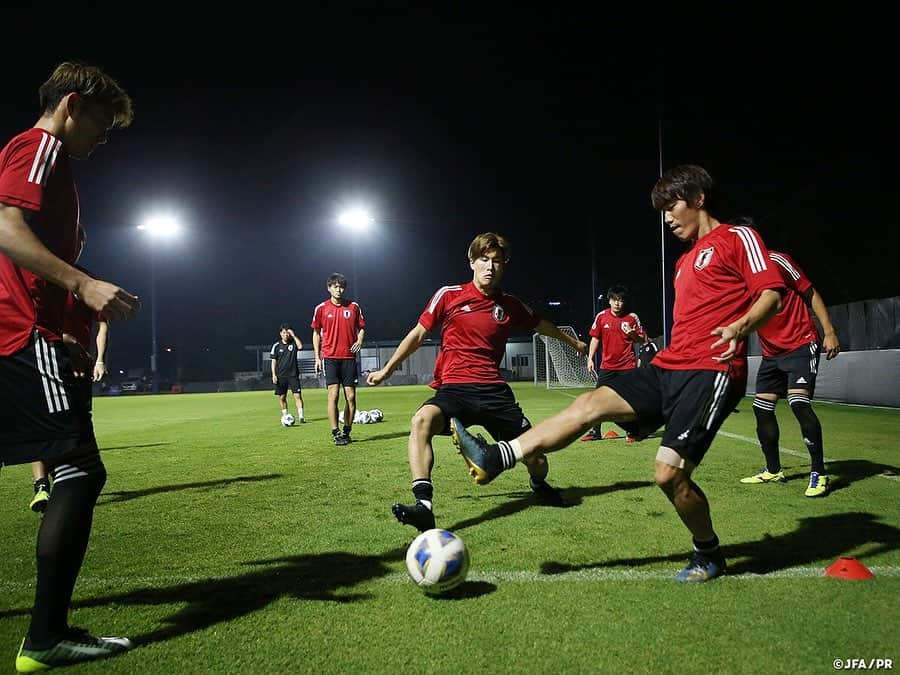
(287, 420)
(437, 561)
(376, 415)
(363, 417)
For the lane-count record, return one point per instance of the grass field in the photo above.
(224, 543)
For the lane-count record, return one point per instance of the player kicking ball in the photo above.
(475, 320)
(725, 288)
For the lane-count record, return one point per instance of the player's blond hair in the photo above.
(92, 85)
(487, 241)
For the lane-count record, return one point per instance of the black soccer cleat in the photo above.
(547, 494)
(418, 515)
(483, 458)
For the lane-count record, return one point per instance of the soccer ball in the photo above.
(437, 560)
(364, 417)
(287, 420)
(376, 415)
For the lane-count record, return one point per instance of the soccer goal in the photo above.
(556, 364)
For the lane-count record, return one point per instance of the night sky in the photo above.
(256, 128)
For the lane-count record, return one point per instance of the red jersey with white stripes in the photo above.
(716, 282)
(474, 330)
(35, 176)
(793, 326)
(340, 326)
(618, 350)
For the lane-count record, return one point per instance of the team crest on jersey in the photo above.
(346, 313)
(703, 258)
(290, 348)
(499, 314)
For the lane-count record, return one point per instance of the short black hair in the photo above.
(619, 291)
(284, 326)
(336, 278)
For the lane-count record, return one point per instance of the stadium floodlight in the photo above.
(161, 227)
(157, 227)
(356, 219)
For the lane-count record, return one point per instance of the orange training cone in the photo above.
(848, 568)
(610, 434)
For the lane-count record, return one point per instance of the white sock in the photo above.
(283, 412)
(516, 448)
(300, 413)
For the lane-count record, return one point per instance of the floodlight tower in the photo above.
(157, 228)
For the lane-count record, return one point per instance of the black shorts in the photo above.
(341, 371)
(607, 376)
(291, 382)
(692, 404)
(43, 411)
(794, 370)
(491, 406)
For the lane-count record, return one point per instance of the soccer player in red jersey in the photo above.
(475, 320)
(791, 347)
(617, 330)
(725, 288)
(42, 416)
(338, 331)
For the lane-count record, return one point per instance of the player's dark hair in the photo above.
(620, 292)
(743, 221)
(284, 326)
(487, 241)
(687, 182)
(92, 85)
(336, 278)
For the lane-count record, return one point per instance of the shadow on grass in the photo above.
(133, 447)
(815, 539)
(572, 496)
(382, 437)
(325, 576)
(847, 471)
(124, 496)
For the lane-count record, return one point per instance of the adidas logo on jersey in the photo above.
(466, 308)
(802, 380)
(683, 436)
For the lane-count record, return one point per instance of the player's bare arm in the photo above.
(592, 353)
(407, 346)
(830, 340)
(21, 245)
(317, 348)
(356, 346)
(102, 341)
(550, 330)
(296, 339)
(766, 306)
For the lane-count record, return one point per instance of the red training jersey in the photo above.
(793, 326)
(79, 321)
(35, 176)
(618, 350)
(340, 325)
(717, 280)
(474, 330)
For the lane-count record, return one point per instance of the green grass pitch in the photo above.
(225, 543)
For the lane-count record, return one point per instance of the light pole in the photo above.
(156, 227)
(357, 221)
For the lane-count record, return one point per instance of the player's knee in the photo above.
(802, 409)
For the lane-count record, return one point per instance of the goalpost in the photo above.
(557, 364)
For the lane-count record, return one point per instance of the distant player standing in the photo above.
(285, 370)
(791, 348)
(475, 320)
(725, 288)
(338, 331)
(42, 414)
(617, 330)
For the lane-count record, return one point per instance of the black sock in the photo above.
(767, 432)
(507, 457)
(707, 547)
(811, 429)
(42, 483)
(423, 491)
(334, 432)
(62, 542)
(347, 431)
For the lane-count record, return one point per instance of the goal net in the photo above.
(556, 364)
